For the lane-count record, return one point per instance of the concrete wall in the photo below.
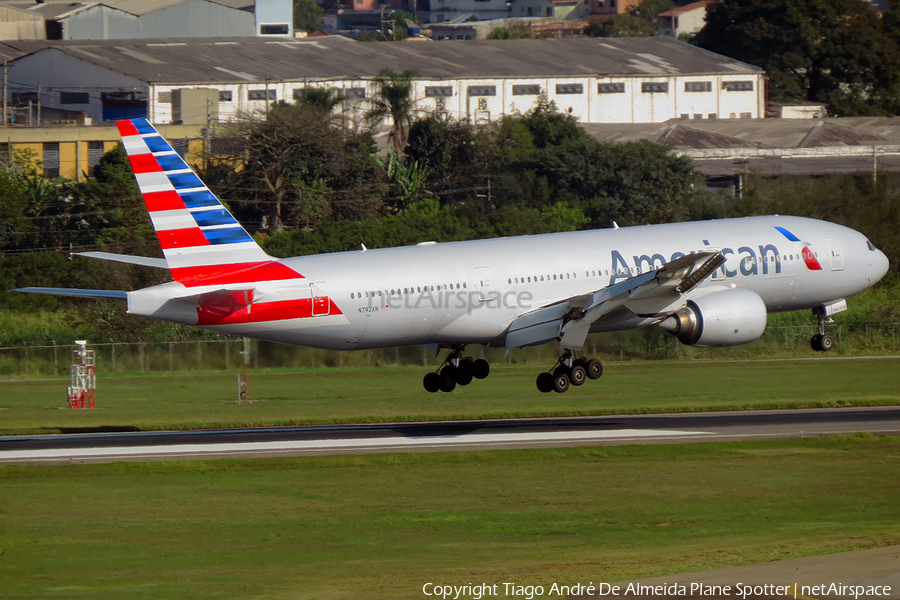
(20, 25)
(194, 18)
(100, 23)
(271, 12)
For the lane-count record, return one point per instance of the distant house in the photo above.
(482, 10)
(609, 8)
(560, 10)
(688, 19)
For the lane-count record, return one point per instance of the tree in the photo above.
(624, 25)
(296, 165)
(649, 10)
(308, 15)
(393, 99)
(834, 51)
(323, 99)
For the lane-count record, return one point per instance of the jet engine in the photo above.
(726, 318)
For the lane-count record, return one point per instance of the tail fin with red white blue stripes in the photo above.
(202, 242)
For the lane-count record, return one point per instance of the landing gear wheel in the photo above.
(545, 383)
(561, 370)
(432, 382)
(594, 369)
(448, 383)
(481, 368)
(561, 383)
(577, 375)
(816, 342)
(826, 343)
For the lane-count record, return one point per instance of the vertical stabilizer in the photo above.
(202, 242)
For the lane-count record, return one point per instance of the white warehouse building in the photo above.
(611, 80)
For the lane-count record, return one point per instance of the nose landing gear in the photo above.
(569, 371)
(456, 370)
(821, 342)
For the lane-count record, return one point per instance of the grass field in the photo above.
(183, 400)
(381, 526)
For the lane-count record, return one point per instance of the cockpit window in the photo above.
(869, 244)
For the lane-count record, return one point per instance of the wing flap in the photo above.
(647, 294)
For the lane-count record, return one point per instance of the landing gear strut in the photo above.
(821, 342)
(456, 370)
(569, 371)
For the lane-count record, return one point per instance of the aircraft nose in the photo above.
(880, 266)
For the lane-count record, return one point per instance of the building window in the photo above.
(438, 91)
(549, 11)
(225, 96)
(746, 115)
(569, 88)
(274, 29)
(51, 160)
(164, 97)
(261, 95)
(95, 153)
(526, 90)
(653, 87)
(712, 116)
(737, 86)
(354, 92)
(75, 98)
(698, 86)
(482, 90)
(610, 88)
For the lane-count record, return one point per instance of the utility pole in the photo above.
(5, 94)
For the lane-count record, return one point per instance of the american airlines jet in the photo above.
(708, 283)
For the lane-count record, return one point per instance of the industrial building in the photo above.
(198, 80)
(121, 19)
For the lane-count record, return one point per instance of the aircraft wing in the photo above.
(655, 293)
(78, 293)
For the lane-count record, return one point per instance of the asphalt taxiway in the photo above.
(448, 435)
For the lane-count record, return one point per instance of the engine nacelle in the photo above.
(726, 318)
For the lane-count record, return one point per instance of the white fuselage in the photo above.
(469, 292)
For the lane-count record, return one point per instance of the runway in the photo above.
(448, 435)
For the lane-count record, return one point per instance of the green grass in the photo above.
(381, 526)
(184, 400)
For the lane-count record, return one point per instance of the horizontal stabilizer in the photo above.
(114, 294)
(144, 261)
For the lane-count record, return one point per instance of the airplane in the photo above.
(708, 283)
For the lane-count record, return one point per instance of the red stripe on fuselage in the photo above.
(181, 238)
(144, 163)
(280, 310)
(168, 200)
(812, 263)
(254, 272)
(127, 128)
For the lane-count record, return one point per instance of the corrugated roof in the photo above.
(224, 60)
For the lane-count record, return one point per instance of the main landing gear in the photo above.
(569, 371)
(456, 370)
(821, 342)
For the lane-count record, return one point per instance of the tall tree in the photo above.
(839, 52)
(393, 99)
(308, 15)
